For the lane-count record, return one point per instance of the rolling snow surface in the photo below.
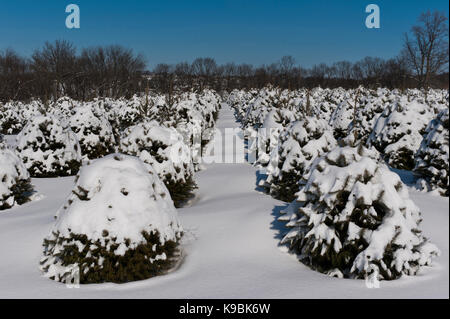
(230, 247)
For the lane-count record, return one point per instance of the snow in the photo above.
(121, 198)
(398, 130)
(115, 201)
(45, 145)
(432, 157)
(12, 171)
(298, 146)
(162, 147)
(94, 133)
(230, 246)
(342, 117)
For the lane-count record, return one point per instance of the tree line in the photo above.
(57, 70)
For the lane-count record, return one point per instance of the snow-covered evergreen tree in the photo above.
(94, 133)
(369, 108)
(125, 113)
(258, 108)
(299, 145)
(48, 148)
(62, 108)
(354, 215)
(342, 118)
(268, 135)
(164, 149)
(14, 115)
(15, 187)
(10, 121)
(118, 225)
(432, 157)
(398, 132)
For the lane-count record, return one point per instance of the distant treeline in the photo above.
(57, 70)
(369, 72)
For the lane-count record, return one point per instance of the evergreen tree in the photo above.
(354, 215)
(299, 146)
(49, 148)
(164, 149)
(432, 157)
(118, 225)
(398, 132)
(94, 133)
(15, 186)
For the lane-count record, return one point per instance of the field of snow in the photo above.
(230, 247)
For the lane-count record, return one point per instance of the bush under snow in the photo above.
(164, 149)
(342, 118)
(94, 133)
(299, 145)
(118, 225)
(15, 187)
(10, 122)
(432, 157)
(268, 135)
(398, 132)
(48, 149)
(354, 216)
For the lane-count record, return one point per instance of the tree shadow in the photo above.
(260, 177)
(409, 178)
(276, 225)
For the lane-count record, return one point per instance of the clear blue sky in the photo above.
(250, 31)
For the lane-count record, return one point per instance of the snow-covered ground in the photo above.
(230, 247)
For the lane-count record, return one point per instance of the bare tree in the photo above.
(13, 75)
(54, 65)
(426, 50)
(204, 69)
(287, 64)
(371, 68)
(229, 71)
(108, 71)
(343, 70)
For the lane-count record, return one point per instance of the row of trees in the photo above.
(369, 72)
(56, 70)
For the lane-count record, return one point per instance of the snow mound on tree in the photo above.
(432, 159)
(398, 132)
(354, 216)
(15, 187)
(48, 149)
(300, 144)
(10, 122)
(15, 114)
(164, 149)
(370, 106)
(342, 118)
(94, 133)
(125, 113)
(62, 108)
(268, 135)
(119, 224)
